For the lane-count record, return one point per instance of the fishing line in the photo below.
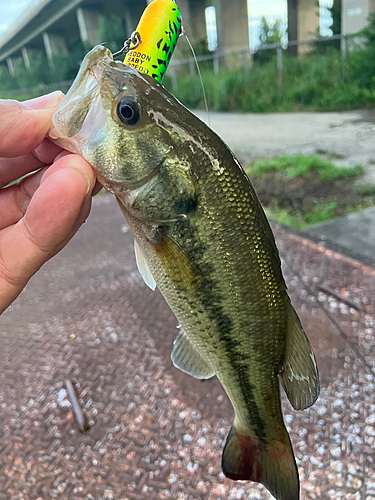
(341, 332)
(200, 77)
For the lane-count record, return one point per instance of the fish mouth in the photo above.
(72, 112)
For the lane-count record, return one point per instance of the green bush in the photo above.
(362, 59)
(64, 67)
(312, 82)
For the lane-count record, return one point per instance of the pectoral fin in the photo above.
(186, 357)
(299, 375)
(143, 267)
(176, 264)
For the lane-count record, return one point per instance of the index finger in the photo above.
(14, 168)
(24, 125)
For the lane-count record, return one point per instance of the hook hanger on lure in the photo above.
(131, 43)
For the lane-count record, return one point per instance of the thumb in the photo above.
(58, 208)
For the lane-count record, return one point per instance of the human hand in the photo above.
(39, 215)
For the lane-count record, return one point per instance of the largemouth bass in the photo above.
(202, 237)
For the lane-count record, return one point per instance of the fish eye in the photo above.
(128, 110)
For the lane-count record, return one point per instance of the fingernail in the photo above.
(61, 155)
(45, 101)
(88, 184)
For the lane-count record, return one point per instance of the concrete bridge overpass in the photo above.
(47, 24)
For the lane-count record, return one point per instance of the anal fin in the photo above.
(299, 374)
(187, 358)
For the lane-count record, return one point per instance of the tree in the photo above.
(112, 32)
(269, 33)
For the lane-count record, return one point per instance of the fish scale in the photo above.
(202, 237)
(235, 305)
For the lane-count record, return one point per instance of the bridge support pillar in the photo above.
(292, 26)
(184, 6)
(53, 44)
(234, 25)
(10, 66)
(218, 4)
(197, 29)
(355, 14)
(88, 26)
(25, 57)
(231, 25)
(303, 23)
(308, 21)
(129, 22)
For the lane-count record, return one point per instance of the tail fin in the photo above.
(272, 464)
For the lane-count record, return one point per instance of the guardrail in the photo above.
(215, 57)
(280, 48)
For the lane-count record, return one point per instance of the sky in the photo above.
(10, 10)
(272, 10)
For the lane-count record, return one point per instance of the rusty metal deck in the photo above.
(157, 433)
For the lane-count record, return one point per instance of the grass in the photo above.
(312, 83)
(319, 213)
(303, 190)
(366, 190)
(300, 165)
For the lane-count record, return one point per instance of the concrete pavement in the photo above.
(348, 137)
(355, 234)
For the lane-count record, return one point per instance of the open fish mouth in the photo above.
(68, 120)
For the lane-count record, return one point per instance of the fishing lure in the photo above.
(151, 46)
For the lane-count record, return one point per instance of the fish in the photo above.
(201, 236)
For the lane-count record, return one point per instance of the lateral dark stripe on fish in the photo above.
(212, 301)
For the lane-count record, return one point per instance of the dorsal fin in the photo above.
(187, 358)
(143, 267)
(299, 374)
